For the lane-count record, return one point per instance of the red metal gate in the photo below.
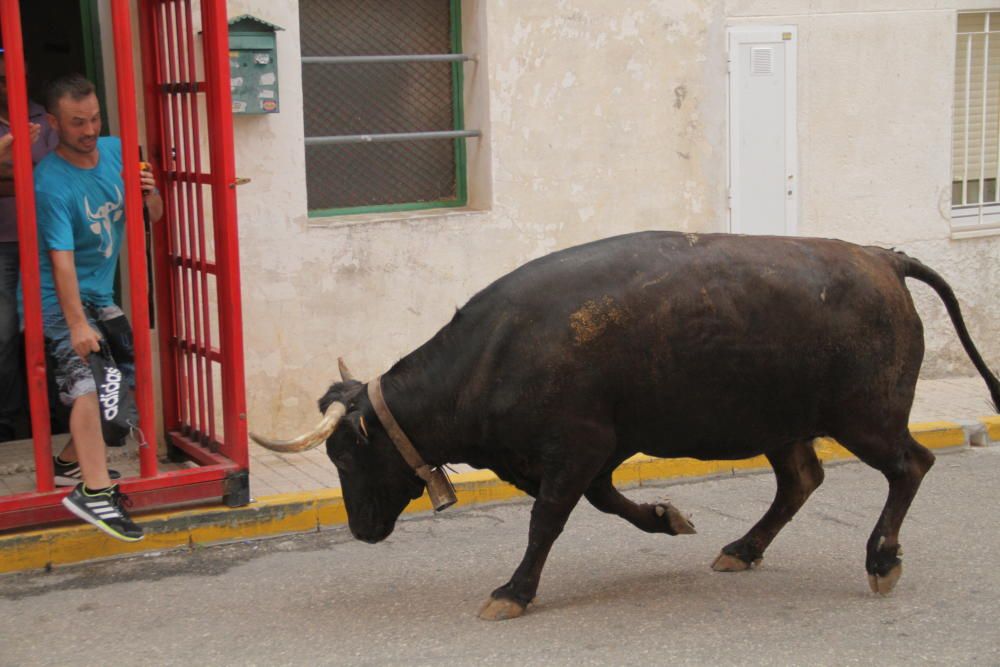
(195, 259)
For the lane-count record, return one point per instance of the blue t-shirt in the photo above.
(82, 210)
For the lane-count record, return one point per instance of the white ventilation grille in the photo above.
(761, 61)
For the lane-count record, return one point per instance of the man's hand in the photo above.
(84, 339)
(6, 144)
(150, 195)
(146, 181)
(6, 156)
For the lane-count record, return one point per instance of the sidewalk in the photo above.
(300, 492)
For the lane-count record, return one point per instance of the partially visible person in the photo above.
(80, 199)
(43, 139)
(6, 146)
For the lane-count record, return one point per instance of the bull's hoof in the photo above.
(726, 563)
(500, 609)
(883, 585)
(679, 524)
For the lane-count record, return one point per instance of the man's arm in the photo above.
(82, 336)
(6, 163)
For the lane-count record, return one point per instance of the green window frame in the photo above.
(368, 59)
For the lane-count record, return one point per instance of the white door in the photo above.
(763, 178)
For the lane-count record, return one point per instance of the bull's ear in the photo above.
(355, 423)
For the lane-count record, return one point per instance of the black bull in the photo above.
(672, 345)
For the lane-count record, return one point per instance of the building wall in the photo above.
(598, 119)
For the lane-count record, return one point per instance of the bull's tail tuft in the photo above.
(913, 268)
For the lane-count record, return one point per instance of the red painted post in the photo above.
(24, 197)
(121, 21)
(151, 41)
(216, 47)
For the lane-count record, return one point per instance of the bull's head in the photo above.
(376, 482)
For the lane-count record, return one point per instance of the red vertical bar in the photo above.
(182, 257)
(135, 234)
(24, 202)
(170, 229)
(187, 150)
(159, 154)
(220, 132)
(206, 342)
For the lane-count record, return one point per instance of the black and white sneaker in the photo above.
(105, 510)
(69, 474)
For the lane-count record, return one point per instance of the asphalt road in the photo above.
(610, 595)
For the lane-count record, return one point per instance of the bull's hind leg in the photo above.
(904, 462)
(798, 473)
(661, 517)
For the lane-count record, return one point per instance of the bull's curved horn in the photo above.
(307, 440)
(345, 374)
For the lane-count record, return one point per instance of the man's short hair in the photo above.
(76, 86)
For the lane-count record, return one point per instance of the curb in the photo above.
(315, 510)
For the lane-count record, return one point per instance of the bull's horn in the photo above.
(307, 440)
(345, 374)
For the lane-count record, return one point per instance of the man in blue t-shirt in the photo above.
(80, 202)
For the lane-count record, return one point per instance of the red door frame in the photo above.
(169, 85)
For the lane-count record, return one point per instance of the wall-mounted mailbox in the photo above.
(253, 65)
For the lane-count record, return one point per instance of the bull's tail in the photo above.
(913, 268)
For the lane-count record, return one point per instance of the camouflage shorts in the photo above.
(72, 375)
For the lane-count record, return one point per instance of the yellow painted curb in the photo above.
(310, 511)
(992, 425)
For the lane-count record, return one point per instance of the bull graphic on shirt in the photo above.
(106, 215)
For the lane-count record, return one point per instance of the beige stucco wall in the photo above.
(875, 87)
(599, 118)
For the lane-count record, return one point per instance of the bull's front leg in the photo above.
(659, 518)
(547, 520)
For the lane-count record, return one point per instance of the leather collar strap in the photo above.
(403, 443)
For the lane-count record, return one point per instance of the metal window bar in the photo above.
(968, 112)
(396, 136)
(414, 58)
(982, 125)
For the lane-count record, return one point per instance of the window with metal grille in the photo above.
(975, 155)
(382, 98)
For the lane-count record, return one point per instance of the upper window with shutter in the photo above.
(975, 154)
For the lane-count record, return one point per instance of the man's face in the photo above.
(78, 123)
